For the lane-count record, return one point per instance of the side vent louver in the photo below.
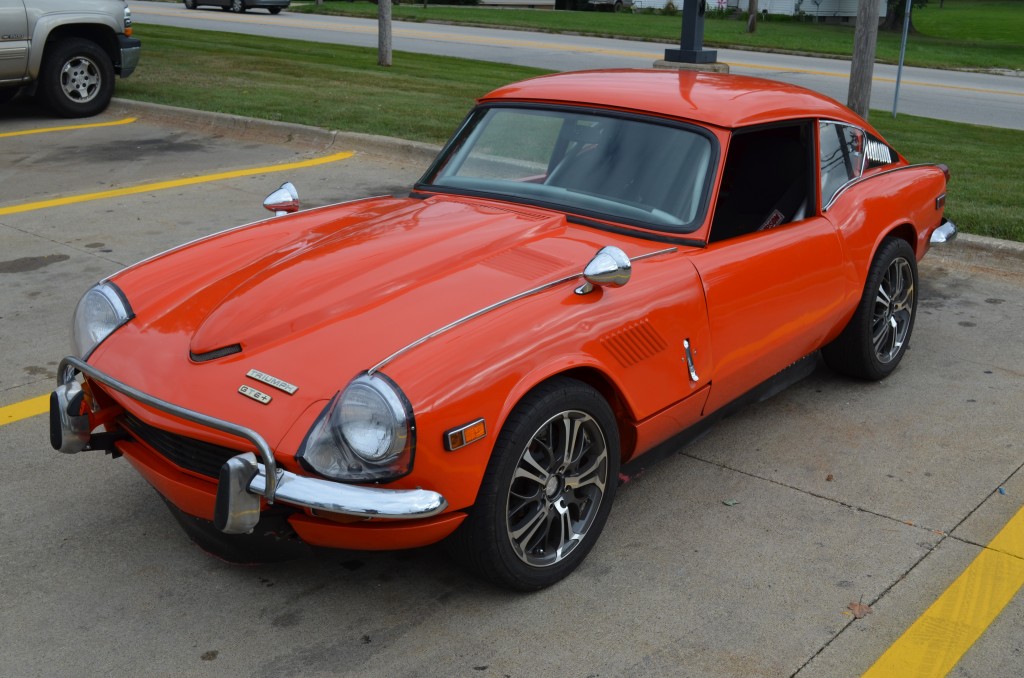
(634, 343)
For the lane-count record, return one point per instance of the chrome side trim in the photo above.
(854, 182)
(65, 374)
(211, 236)
(504, 302)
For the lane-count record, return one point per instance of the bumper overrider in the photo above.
(244, 479)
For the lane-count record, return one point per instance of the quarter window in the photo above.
(841, 150)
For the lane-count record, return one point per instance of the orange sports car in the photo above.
(597, 265)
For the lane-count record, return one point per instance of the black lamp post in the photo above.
(691, 41)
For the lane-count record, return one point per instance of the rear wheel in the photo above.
(274, 10)
(76, 79)
(237, 6)
(547, 491)
(190, 4)
(877, 336)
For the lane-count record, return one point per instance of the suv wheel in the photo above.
(76, 79)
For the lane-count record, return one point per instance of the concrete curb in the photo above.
(977, 250)
(966, 247)
(314, 138)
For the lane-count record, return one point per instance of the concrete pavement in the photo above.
(840, 492)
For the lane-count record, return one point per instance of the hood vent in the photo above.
(215, 353)
(524, 263)
(634, 343)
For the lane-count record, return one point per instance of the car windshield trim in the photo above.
(629, 169)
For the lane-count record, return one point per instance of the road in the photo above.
(976, 98)
(738, 556)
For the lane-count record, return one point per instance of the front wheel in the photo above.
(877, 336)
(274, 10)
(237, 6)
(190, 4)
(547, 490)
(76, 79)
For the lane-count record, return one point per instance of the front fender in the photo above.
(97, 26)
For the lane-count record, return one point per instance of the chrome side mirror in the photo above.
(610, 267)
(284, 200)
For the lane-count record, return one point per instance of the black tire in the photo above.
(274, 10)
(617, 7)
(540, 510)
(8, 93)
(76, 79)
(190, 4)
(877, 336)
(238, 6)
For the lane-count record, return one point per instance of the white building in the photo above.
(826, 9)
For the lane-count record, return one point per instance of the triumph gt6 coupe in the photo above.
(596, 265)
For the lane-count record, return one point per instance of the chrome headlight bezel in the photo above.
(367, 433)
(99, 313)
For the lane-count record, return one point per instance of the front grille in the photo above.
(188, 453)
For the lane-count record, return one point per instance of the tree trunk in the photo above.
(752, 17)
(383, 32)
(894, 17)
(863, 65)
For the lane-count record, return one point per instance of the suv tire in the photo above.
(76, 79)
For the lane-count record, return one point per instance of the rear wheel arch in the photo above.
(904, 232)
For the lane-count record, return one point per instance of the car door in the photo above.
(773, 270)
(14, 40)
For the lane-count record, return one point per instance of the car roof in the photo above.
(728, 101)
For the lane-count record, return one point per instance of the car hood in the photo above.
(386, 279)
(316, 298)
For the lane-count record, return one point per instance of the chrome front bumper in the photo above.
(243, 479)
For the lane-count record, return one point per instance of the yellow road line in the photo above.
(174, 183)
(24, 409)
(933, 644)
(65, 128)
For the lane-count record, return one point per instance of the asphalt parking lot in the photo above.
(739, 556)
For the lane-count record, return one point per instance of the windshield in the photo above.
(620, 168)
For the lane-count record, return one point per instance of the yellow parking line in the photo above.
(174, 183)
(24, 409)
(934, 643)
(65, 128)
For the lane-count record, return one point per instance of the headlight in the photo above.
(366, 434)
(100, 311)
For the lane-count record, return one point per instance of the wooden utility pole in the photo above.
(863, 65)
(752, 16)
(383, 32)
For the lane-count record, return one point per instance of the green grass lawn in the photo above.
(424, 98)
(976, 34)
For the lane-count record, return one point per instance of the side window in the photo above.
(767, 180)
(841, 150)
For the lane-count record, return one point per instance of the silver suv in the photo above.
(67, 52)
